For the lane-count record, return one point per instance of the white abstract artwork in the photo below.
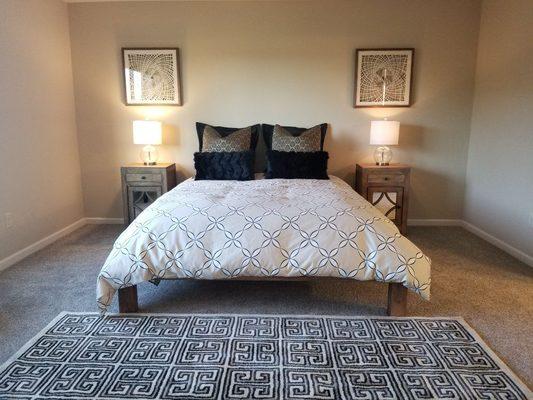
(383, 77)
(151, 76)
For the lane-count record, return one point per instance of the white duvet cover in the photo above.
(262, 228)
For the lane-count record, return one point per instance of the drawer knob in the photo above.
(386, 178)
(143, 177)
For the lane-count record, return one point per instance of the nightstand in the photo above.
(142, 184)
(387, 188)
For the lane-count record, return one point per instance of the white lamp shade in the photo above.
(147, 132)
(384, 133)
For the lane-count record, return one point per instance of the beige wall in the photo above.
(499, 179)
(40, 170)
(279, 62)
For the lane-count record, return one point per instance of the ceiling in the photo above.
(108, 1)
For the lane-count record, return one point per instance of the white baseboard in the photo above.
(25, 252)
(434, 222)
(32, 248)
(104, 221)
(519, 254)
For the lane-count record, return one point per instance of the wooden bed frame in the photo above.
(396, 299)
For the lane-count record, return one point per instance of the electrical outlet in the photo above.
(8, 220)
(531, 219)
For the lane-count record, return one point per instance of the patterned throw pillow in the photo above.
(307, 141)
(236, 141)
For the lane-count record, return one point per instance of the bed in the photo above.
(263, 229)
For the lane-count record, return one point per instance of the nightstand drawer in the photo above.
(144, 178)
(386, 178)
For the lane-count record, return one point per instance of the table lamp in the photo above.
(148, 133)
(383, 134)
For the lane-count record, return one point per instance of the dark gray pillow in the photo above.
(268, 133)
(238, 141)
(307, 141)
(224, 134)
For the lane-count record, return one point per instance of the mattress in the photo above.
(262, 228)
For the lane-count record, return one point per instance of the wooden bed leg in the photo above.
(397, 300)
(127, 300)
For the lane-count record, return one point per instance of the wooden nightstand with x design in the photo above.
(387, 188)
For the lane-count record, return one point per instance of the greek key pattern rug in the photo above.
(156, 356)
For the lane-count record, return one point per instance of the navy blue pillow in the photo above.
(235, 165)
(297, 165)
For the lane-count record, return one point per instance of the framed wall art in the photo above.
(383, 77)
(152, 76)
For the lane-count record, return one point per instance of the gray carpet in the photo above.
(471, 278)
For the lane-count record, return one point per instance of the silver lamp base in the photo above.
(383, 155)
(149, 155)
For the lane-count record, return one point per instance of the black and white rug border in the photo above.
(501, 364)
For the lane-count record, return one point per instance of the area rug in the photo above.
(171, 356)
